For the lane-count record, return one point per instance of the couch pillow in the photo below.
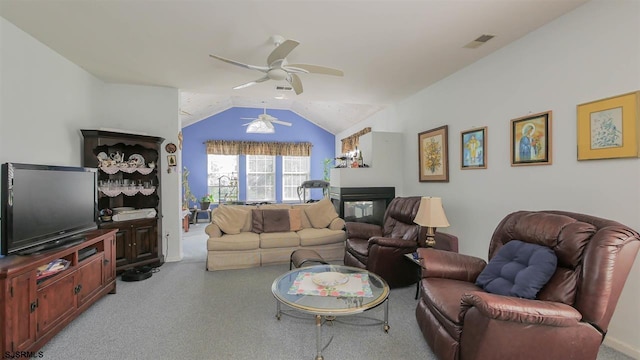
(321, 213)
(518, 269)
(230, 219)
(295, 219)
(271, 220)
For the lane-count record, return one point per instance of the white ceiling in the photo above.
(388, 50)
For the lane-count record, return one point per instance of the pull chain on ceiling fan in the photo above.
(279, 69)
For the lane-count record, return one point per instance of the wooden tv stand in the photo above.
(32, 311)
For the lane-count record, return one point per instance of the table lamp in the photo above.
(431, 215)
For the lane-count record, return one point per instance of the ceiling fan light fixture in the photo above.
(260, 127)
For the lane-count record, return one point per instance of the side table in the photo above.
(413, 257)
(196, 212)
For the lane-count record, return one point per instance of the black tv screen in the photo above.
(45, 205)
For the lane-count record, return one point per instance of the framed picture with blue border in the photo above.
(473, 152)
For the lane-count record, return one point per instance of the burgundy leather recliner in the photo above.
(571, 314)
(381, 249)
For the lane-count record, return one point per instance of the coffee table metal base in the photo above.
(319, 321)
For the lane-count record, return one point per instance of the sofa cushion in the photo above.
(279, 240)
(295, 219)
(321, 213)
(518, 269)
(237, 242)
(271, 220)
(313, 237)
(306, 224)
(230, 219)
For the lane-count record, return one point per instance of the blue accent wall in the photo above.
(227, 125)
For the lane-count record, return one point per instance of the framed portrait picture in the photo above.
(609, 128)
(531, 140)
(473, 152)
(433, 158)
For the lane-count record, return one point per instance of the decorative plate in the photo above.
(103, 156)
(137, 159)
(330, 279)
(171, 148)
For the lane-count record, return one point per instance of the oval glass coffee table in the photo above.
(328, 291)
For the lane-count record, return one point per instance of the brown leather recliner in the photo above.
(571, 314)
(381, 249)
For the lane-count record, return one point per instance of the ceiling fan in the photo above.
(263, 124)
(279, 69)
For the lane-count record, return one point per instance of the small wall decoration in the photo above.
(170, 148)
(608, 128)
(473, 152)
(171, 160)
(433, 155)
(531, 140)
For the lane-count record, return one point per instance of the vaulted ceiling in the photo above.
(388, 50)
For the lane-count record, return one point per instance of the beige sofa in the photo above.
(243, 236)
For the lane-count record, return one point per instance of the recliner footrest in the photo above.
(302, 256)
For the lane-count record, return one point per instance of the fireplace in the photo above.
(362, 204)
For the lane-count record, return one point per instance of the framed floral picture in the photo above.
(433, 158)
(609, 128)
(473, 152)
(531, 140)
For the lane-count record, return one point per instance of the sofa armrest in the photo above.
(362, 230)
(524, 311)
(213, 230)
(337, 224)
(450, 265)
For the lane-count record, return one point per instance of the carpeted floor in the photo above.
(185, 312)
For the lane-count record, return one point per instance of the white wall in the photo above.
(588, 54)
(152, 110)
(45, 100)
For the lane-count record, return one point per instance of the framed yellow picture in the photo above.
(433, 155)
(609, 128)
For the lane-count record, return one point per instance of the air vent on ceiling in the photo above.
(479, 41)
(283, 88)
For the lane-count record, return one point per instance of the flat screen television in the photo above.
(46, 206)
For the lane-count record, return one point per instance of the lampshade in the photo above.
(431, 213)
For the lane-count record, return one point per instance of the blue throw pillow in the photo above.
(518, 269)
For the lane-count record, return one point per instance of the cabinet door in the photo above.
(89, 278)
(21, 316)
(109, 268)
(123, 246)
(145, 241)
(56, 301)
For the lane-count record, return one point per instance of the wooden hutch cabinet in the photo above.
(129, 168)
(33, 308)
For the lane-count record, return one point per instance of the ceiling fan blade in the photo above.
(282, 51)
(247, 123)
(313, 69)
(295, 82)
(262, 79)
(281, 122)
(246, 66)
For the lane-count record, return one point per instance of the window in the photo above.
(222, 178)
(295, 170)
(261, 178)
